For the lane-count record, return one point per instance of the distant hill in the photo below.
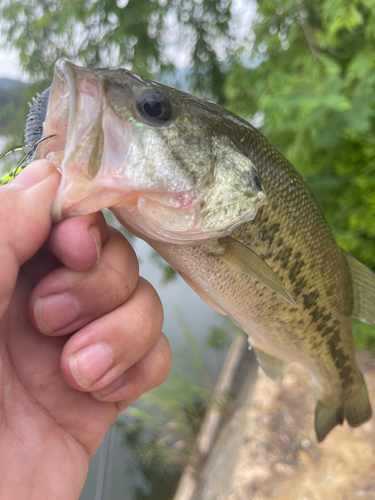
(12, 105)
(8, 83)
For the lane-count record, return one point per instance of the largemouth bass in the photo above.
(211, 195)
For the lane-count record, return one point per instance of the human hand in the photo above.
(80, 338)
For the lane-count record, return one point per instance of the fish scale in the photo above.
(308, 262)
(227, 211)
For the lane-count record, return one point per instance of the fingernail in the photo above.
(110, 388)
(54, 312)
(33, 175)
(91, 363)
(95, 233)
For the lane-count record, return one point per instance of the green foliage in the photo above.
(221, 336)
(315, 89)
(364, 337)
(12, 95)
(136, 34)
(217, 338)
(169, 274)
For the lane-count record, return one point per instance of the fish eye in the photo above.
(154, 107)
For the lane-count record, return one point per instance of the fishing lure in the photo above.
(33, 134)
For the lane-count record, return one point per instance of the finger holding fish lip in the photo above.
(67, 300)
(74, 242)
(106, 348)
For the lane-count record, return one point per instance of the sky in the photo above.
(243, 10)
(9, 66)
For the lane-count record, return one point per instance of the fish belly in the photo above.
(317, 335)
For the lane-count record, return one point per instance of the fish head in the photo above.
(160, 159)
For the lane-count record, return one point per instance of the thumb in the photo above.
(25, 221)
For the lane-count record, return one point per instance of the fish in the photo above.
(226, 210)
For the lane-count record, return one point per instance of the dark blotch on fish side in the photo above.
(284, 256)
(297, 266)
(298, 287)
(268, 234)
(309, 299)
(341, 360)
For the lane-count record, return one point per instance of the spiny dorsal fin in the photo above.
(250, 263)
(363, 283)
(271, 365)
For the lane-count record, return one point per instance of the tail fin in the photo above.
(356, 410)
(357, 407)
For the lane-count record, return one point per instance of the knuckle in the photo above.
(119, 264)
(159, 364)
(149, 315)
(164, 359)
(153, 370)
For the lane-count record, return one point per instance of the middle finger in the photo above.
(66, 300)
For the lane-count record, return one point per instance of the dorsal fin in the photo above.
(363, 283)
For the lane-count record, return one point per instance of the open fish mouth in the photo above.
(124, 142)
(87, 145)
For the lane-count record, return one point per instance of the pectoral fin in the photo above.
(250, 263)
(363, 283)
(271, 365)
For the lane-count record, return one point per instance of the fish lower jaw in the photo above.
(77, 201)
(162, 229)
(145, 217)
(141, 216)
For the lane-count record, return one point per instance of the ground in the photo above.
(267, 449)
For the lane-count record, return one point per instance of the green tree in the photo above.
(11, 117)
(313, 85)
(135, 34)
(308, 74)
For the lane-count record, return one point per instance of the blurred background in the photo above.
(301, 71)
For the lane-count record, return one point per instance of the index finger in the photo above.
(25, 221)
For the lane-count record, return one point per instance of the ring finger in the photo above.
(66, 300)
